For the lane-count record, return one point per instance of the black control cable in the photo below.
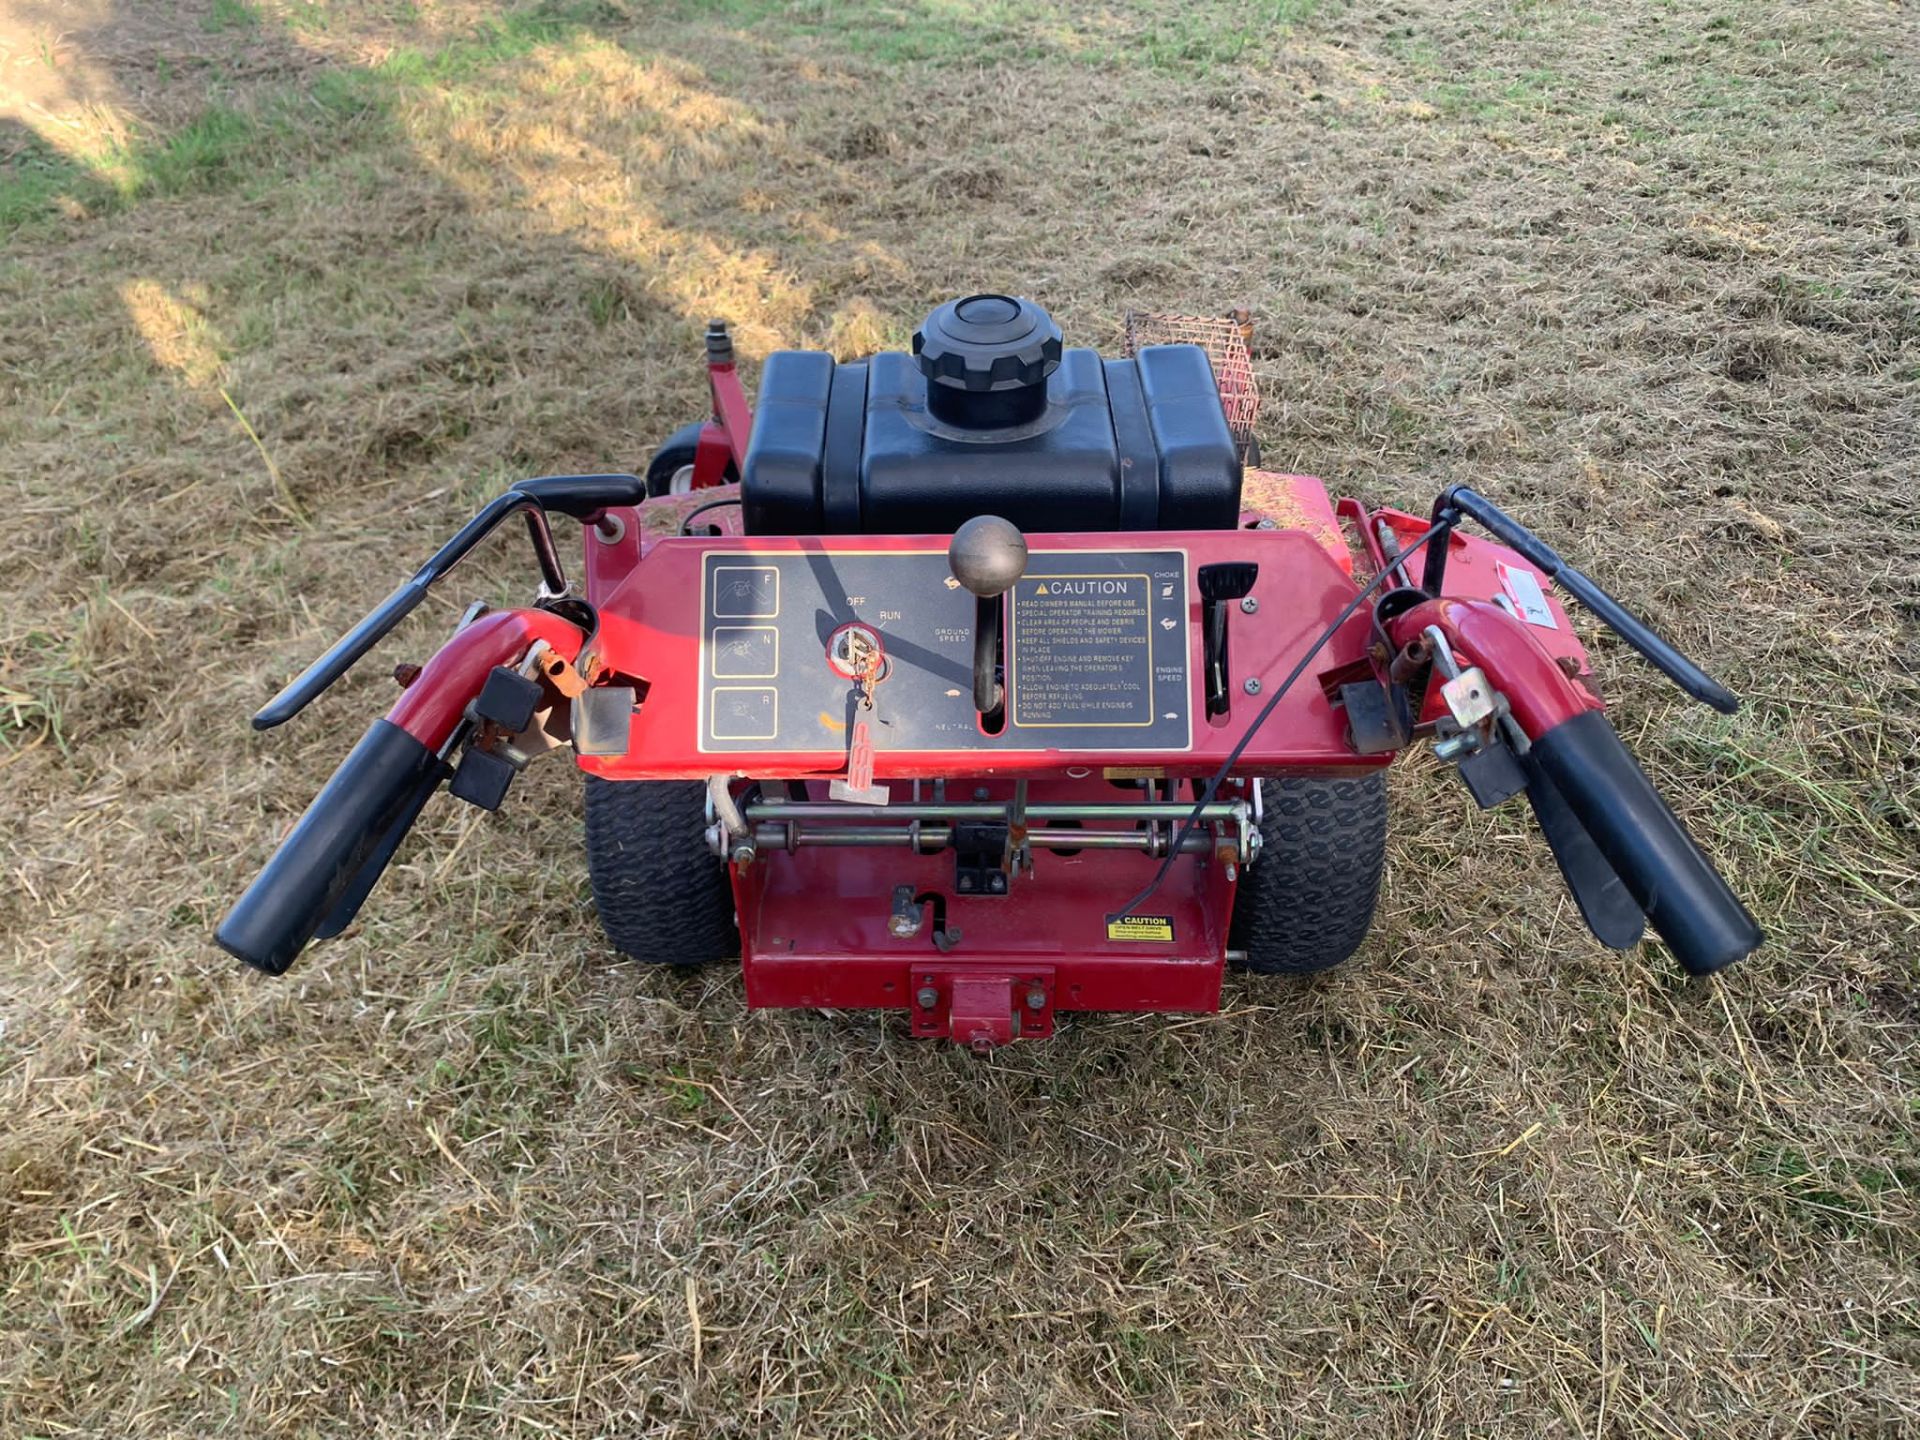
(1439, 527)
(686, 521)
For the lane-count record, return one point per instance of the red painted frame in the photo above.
(814, 934)
(814, 922)
(649, 609)
(1519, 662)
(436, 698)
(723, 439)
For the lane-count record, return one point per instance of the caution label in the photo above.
(1141, 927)
(1099, 653)
(1083, 651)
(1523, 588)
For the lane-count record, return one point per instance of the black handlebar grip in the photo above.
(377, 786)
(1702, 921)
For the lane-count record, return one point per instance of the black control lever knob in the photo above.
(988, 555)
(1230, 580)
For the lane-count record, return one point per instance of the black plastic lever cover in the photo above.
(1702, 921)
(583, 497)
(1605, 903)
(378, 785)
(1230, 580)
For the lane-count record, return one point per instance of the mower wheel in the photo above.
(670, 471)
(1306, 902)
(663, 897)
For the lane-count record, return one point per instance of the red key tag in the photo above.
(862, 662)
(858, 787)
(860, 758)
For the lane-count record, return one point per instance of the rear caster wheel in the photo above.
(663, 897)
(670, 471)
(1306, 903)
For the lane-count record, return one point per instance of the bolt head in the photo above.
(927, 998)
(1249, 605)
(1036, 999)
(1252, 687)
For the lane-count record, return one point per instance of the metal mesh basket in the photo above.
(1224, 340)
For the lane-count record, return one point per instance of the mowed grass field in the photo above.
(288, 288)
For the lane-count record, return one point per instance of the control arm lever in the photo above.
(581, 496)
(1458, 500)
(988, 556)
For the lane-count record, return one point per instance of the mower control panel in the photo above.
(796, 647)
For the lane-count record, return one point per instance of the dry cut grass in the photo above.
(287, 288)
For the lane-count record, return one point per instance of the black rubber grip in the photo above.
(1702, 921)
(584, 497)
(377, 785)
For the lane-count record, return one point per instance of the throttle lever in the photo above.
(1458, 500)
(1229, 580)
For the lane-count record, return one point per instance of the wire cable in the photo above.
(686, 521)
(1233, 756)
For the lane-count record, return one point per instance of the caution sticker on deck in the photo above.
(1524, 589)
(1141, 927)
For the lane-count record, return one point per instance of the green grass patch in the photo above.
(218, 147)
(1831, 1193)
(229, 144)
(226, 145)
(230, 15)
(1136, 33)
(490, 44)
(32, 185)
(207, 153)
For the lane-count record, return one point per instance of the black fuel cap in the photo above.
(987, 359)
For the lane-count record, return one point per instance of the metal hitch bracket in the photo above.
(982, 1009)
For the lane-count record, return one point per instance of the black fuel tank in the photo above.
(990, 415)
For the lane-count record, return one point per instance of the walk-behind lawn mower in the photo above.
(988, 682)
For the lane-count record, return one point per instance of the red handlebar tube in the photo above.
(1539, 692)
(1577, 756)
(432, 705)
